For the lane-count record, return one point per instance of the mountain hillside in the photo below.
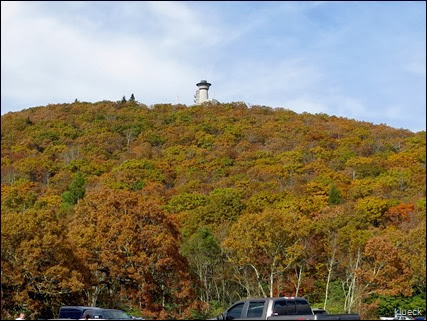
(172, 211)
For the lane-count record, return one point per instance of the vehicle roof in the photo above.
(280, 297)
(85, 307)
(79, 307)
(276, 298)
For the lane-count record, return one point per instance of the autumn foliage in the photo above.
(171, 211)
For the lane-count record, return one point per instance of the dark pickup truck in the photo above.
(283, 308)
(82, 312)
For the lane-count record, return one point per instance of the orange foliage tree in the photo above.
(131, 249)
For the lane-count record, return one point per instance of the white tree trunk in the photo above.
(259, 281)
(271, 283)
(353, 281)
(330, 267)
(299, 276)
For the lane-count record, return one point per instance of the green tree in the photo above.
(334, 195)
(76, 190)
(204, 255)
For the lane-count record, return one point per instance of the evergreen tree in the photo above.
(76, 190)
(334, 195)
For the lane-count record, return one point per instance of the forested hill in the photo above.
(176, 212)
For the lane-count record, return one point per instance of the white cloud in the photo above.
(42, 54)
(416, 67)
(57, 58)
(183, 29)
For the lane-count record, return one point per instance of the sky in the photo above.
(359, 60)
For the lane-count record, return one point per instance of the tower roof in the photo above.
(203, 83)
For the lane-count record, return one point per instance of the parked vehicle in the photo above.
(399, 316)
(82, 312)
(402, 317)
(283, 308)
(319, 311)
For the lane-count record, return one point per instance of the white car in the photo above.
(402, 317)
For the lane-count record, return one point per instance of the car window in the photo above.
(88, 313)
(115, 315)
(255, 309)
(291, 307)
(280, 308)
(235, 311)
(70, 313)
(303, 307)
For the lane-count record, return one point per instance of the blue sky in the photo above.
(360, 60)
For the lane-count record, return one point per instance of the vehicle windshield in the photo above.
(115, 315)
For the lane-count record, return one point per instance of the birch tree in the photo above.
(266, 242)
